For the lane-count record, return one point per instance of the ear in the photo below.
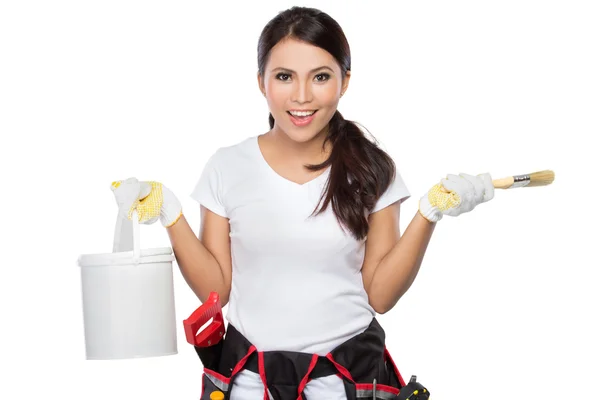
(346, 82)
(261, 84)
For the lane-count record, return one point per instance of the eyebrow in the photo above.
(311, 71)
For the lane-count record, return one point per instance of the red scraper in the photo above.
(214, 332)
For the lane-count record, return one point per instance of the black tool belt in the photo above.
(360, 362)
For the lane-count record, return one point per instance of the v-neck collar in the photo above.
(268, 167)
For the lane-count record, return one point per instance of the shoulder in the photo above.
(234, 155)
(224, 169)
(232, 164)
(397, 190)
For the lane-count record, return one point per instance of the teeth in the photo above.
(302, 113)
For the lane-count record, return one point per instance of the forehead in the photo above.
(299, 56)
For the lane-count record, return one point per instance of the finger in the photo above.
(127, 196)
(130, 180)
(465, 190)
(456, 184)
(478, 187)
(488, 185)
(150, 221)
(145, 189)
(114, 185)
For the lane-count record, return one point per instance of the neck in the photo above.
(307, 152)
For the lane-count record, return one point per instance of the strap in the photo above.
(342, 370)
(238, 367)
(304, 380)
(261, 372)
(323, 367)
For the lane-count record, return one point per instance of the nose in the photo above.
(302, 92)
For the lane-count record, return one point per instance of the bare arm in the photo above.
(393, 261)
(204, 260)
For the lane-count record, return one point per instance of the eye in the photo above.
(322, 77)
(282, 76)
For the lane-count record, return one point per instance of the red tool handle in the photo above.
(214, 332)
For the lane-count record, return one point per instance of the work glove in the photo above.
(151, 200)
(463, 193)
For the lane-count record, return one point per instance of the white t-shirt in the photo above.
(296, 280)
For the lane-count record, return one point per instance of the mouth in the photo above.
(302, 118)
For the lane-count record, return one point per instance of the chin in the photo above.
(302, 134)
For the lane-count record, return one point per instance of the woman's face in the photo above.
(303, 84)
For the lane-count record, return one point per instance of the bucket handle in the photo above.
(127, 236)
(136, 238)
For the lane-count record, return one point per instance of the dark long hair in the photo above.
(360, 170)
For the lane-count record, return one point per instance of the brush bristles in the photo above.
(541, 178)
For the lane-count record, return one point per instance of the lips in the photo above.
(302, 120)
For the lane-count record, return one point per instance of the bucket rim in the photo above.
(147, 256)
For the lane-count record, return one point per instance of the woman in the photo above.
(300, 231)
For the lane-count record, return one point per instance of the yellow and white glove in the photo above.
(464, 193)
(151, 200)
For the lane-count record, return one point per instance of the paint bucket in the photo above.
(128, 298)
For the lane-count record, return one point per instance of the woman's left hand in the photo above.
(456, 195)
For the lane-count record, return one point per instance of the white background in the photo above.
(506, 302)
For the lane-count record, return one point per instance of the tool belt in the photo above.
(362, 362)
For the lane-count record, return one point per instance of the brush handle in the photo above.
(503, 183)
(500, 183)
(507, 182)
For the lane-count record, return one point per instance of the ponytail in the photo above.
(360, 173)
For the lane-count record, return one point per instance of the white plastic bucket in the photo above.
(128, 299)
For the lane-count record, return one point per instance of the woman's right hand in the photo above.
(151, 200)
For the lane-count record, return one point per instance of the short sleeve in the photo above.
(209, 188)
(396, 191)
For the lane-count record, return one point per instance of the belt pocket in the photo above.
(212, 382)
(392, 375)
(210, 356)
(382, 392)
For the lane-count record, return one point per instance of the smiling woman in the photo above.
(312, 268)
(300, 232)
